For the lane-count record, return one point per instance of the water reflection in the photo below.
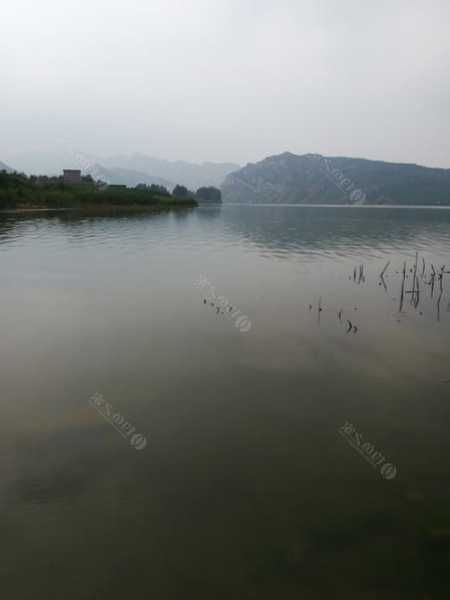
(342, 231)
(245, 487)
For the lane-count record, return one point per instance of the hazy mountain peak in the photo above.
(316, 179)
(127, 167)
(4, 167)
(192, 175)
(128, 177)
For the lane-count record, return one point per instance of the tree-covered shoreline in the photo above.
(21, 192)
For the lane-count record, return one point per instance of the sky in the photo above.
(227, 80)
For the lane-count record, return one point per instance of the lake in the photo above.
(225, 402)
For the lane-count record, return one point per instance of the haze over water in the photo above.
(245, 487)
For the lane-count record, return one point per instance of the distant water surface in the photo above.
(246, 487)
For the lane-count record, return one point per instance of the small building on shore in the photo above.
(72, 176)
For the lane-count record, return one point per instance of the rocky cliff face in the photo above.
(315, 179)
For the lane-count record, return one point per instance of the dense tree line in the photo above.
(154, 188)
(19, 190)
(203, 194)
(209, 194)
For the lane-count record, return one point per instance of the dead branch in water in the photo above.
(402, 293)
(384, 270)
(416, 304)
(438, 305)
(441, 278)
(432, 280)
(361, 274)
(414, 278)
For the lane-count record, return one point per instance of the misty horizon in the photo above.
(233, 82)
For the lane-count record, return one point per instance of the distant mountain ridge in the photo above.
(316, 179)
(129, 169)
(192, 175)
(4, 167)
(126, 177)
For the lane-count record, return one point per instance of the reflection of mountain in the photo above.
(278, 230)
(315, 179)
(319, 230)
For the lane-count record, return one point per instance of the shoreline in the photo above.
(300, 205)
(169, 206)
(99, 208)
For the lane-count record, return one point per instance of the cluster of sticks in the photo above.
(430, 279)
(415, 291)
(358, 274)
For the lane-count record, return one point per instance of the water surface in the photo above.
(245, 488)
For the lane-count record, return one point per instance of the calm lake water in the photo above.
(241, 482)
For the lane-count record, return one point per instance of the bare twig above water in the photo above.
(382, 275)
(416, 304)
(414, 278)
(438, 305)
(361, 274)
(402, 293)
(432, 279)
(385, 268)
(441, 278)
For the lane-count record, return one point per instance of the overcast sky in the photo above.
(233, 80)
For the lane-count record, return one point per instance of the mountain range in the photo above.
(283, 178)
(128, 169)
(316, 179)
(4, 167)
(128, 177)
(192, 175)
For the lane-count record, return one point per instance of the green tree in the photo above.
(209, 194)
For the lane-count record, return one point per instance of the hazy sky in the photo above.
(227, 79)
